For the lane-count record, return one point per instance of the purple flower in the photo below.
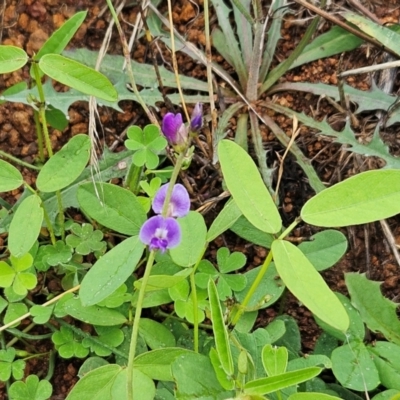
(160, 233)
(179, 204)
(174, 129)
(196, 120)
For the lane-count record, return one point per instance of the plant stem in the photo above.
(39, 136)
(174, 177)
(261, 274)
(17, 161)
(136, 323)
(133, 177)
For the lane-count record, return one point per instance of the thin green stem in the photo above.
(52, 363)
(18, 161)
(133, 177)
(125, 49)
(49, 226)
(193, 295)
(261, 274)
(174, 177)
(39, 136)
(136, 323)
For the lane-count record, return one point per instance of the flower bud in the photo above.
(174, 130)
(196, 120)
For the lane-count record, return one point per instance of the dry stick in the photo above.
(391, 240)
(296, 132)
(371, 68)
(174, 62)
(53, 300)
(356, 4)
(214, 121)
(336, 21)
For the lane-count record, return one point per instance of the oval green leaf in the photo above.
(110, 271)
(282, 381)
(193, 240)
(94, 315)
(10, 177)
(312, 396)
(11, 59)
(157, 363)
(78, 76)
(325, 249)
(220, 332)
(25, 226)
(303, 280)
(112, 206)
(247, 188)
(366, 197)
(65, 166)
(59, 39)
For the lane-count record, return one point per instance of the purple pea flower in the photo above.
(179, 204)
(174, 130)
(196, 120)
(160, 233)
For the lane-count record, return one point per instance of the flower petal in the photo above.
(160, 233)
(170, 126)
(179, 204)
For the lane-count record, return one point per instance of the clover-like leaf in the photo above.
(180, 293)
(9, 366)
(226, 283)
(147, 143)
(110, 336)
(31, 389)
(41, 314)
(116, 299)
(85, 240)
(68, 344)
(15, 276)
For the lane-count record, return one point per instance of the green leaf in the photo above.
(78, 76)
(377, 312)
(307, 285)
(387, 37)
(195, 378)
(386, 357)
(155, 334)
(10, 177)
(59, 39)
(243, 228)
(220, 330)
(112, 206)
(335, 41)
(282, 381)
(7, 274)
(312, 396)
(94, 315)
(25, 226)
(156, 364)
(250, 195)
(275, 359)
(356, 330)
(109, 382)
(65, 166)
(325, 248)
(11, 59)
(366, 197)
(267, 292)
(225, 219)
(110, 271)
(31, 389)
(354, 368)
(14, 311)
(147, 143)
(41, 314)
(193, 240)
